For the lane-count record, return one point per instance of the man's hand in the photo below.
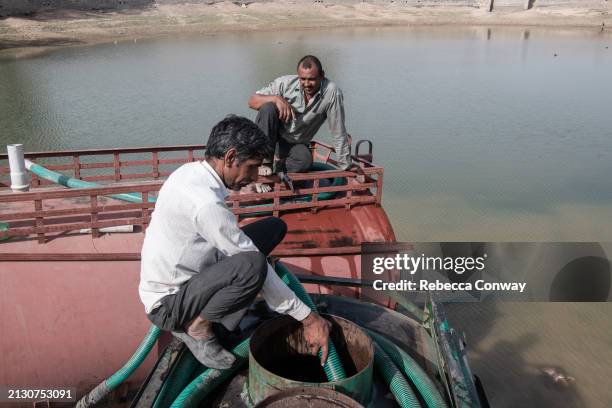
(285, 110)
(316, 334)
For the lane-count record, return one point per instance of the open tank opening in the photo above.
(282, 359)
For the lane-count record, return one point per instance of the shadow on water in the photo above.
(503, 357)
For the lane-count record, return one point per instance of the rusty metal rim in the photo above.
(324, 394)
(330, 383)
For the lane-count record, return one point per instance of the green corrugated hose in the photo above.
(393, 377)
(4, 226)
(181, 372)
(105, 387)
(206, 382)
(66, 181)
(200, 387)
(406, 304)
(328, 195)
(412, 370)
(333, 366)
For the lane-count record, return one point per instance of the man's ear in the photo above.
(231, 156)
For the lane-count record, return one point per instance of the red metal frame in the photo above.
(102, 211)
(71, 163)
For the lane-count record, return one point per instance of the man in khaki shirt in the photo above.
(292, 108)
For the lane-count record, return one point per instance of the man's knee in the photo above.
(299, 159)
(268, 108)
(278, 226)
(277, 230)
(255, 269)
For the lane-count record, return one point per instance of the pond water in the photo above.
(484, 133)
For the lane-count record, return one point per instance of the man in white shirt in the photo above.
(199, 267)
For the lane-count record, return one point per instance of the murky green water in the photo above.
(485, 135)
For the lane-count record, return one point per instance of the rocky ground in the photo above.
(21, 36)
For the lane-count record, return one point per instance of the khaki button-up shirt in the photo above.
(327, 103)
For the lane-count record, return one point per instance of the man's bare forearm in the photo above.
(256, 101)
(284, 109)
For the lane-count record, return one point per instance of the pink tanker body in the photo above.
(70, 314)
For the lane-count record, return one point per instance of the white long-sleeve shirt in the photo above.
(192, 228)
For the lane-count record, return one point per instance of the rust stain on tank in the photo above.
(342, 242)
(301, 244)
(314, 231)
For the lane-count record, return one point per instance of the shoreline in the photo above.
(21, 37)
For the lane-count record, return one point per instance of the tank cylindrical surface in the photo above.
(280, 359)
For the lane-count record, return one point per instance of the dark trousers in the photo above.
(294, 157)
(224, 291)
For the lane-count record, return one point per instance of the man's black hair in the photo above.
(241, 134)
(308, 61)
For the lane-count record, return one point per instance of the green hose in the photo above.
(4, 226)
(106, 386)
(333, 367)
(395, 380)
(413, 309)
(412, 370)
(328, 195)
(206, 382)
(66, 181)
(174, 383)
(141, 353)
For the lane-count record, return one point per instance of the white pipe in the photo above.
(118, 228)
(19, 175)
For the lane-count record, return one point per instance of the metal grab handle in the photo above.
(365, 156)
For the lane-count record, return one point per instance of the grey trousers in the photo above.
(224, 291)
(294, 157)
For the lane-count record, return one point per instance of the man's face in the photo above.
(310, 80)
(240, 175)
